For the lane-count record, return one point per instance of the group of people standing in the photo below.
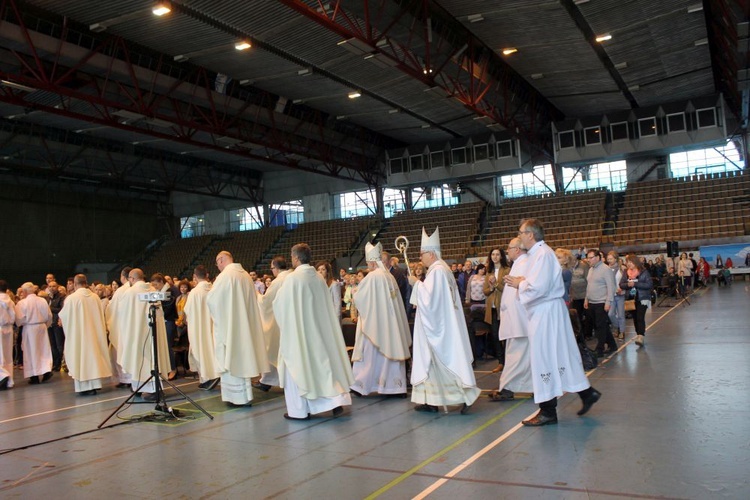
(291, 337)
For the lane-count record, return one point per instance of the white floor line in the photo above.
(73, 407)
(437, 484)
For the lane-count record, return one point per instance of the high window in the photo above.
(192, 226)
(705, 161)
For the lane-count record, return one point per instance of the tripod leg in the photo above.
(127, 401)
(190, 400)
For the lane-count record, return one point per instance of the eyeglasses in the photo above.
(510, 248)
(591, 256)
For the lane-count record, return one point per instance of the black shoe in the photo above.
(355, 393)
(91, 392)
(212, 384)
(204, 385)
(263, 387)
(338, 411)
(540, 419)
(504, 395)
(4, 383)
(34, 380)
(46, 376)
(55, 368)
(427, 408)
(151, 396)
(465, 409)
(393, 396)
(589, 401)
(235, 405)
(286, 416)
(123, 385)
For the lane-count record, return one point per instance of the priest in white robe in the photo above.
(271, 333)
(34, 315)
(514, 329)
(240, 350)
(314, 368)
(556, 365)
(124, 379)
(7, 318)
(202, 353)
(86, 353)
(381, 345)
(135, 349)
(441, 372)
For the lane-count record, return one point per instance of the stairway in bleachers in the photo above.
(570, 220)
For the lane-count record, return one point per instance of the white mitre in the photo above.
(373, 254)
(431, 243)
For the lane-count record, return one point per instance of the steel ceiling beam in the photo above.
(127, 88)
(423, 41)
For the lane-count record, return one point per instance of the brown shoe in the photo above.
(498, 369)
(539, 420)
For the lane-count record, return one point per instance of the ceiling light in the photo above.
(695, 8)
(246, 82)
(355, 94)
(304, 72)
(634, 88)
(17, 86)
(621, 65)
(97, 27)
(242, 45)
(509, 51)
(181, 58)
(475, 18)
(393, 111)
(537, 76)
(161, 8)
(603, 38)
(702, 41)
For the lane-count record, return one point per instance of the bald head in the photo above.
(223, 259)
(28, 287)
(135, 275)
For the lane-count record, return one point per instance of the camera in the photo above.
(153, 296)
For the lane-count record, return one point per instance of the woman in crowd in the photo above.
(267, 281)
(567, 261)
(497, 269)
(325, 271)
(617, 311)
(703, 272)
(475, 287)
(181, 322)
(685, 271)
(637, 284)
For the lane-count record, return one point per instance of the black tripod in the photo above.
(161, 399)
(681, 290)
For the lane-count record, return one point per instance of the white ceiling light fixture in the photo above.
(621, 65)
(475, 18)
(17, 86)
(355, 94)
(304, 72)
(537, 76)
(161, 8)
(243, 45)
(702, 41)
(509, 50)
(181, 58)
(603, 38)
(695, 8)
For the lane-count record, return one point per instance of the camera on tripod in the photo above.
(154, 296)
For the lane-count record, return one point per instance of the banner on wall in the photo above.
(738, 254)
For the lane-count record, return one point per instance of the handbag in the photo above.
(588, 357)
(630, 305)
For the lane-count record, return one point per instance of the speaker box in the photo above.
(673, 249)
